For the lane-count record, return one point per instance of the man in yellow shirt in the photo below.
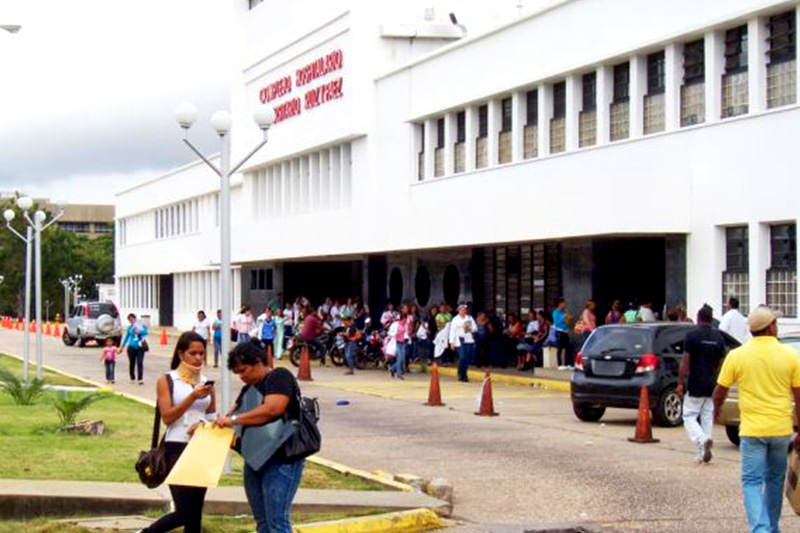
(768, 374)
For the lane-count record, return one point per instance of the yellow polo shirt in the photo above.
(766, 372)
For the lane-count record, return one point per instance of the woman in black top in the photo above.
(270, 489)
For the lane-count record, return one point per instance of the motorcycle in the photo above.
(333, 350)
(369, 353)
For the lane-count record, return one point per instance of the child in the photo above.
(109, 357)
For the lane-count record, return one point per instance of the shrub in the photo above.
(22, 393)
(68, 406)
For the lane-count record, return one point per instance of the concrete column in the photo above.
(715, 68)
(313, 162)
(449, 142)
(758, 238)
(471, 132)
(346, 177)
(574, 102)
(325, 180)
(637, 90)
(605, 94)
(518, 112)
(797, 70)
(757, 64)
(494, 117)
(286, 185)
(336, 170)
(430, 146)
(545, 114)
(673, 59)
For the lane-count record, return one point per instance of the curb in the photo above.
(413, 520)
(478, 375)
(385, 480)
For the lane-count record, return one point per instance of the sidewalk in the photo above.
(23, 498)
(546, 378)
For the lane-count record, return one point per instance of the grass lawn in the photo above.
(29, 434)
(211, 524)
(14, 365)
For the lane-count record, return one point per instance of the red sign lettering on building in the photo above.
(319, 67)
(324, 93)
(276, 89)
(288, 109)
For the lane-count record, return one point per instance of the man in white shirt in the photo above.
(462, 328)
(646, 312)
(203, 328)
(734, 323)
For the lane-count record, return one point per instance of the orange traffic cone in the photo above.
(47, 330)
(163, 340)
(644, 429)
(487, 405)
(434, 392)
(304, 373)
(56, 332)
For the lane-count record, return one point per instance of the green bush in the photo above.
(22, 393)
(68, 406)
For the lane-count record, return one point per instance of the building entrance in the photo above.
(321, 279)
(628, 269)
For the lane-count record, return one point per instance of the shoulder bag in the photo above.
(152, 464)
(306, 439)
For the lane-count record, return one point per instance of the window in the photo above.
(655, 73)
(461, 127)
(422, 138)
(694, 62)
(783, 246)
(505, 106)
(560, 100)
(736, 249)
(589, 82)
(781, 40)
(736, 50)
(440, 133)
(261, 279)
(532, 107)
(102, 227)
(782, 274)
(483, 120)
(621, 82)
(74, 227)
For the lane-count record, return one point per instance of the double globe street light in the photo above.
(70, 284)
(33, 236)
(221, 121)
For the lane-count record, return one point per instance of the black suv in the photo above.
(617, 360)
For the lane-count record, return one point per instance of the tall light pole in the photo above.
(264, 117)
(36, 225)
(70, 283)
(24, 203)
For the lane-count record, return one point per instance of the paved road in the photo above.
(533, 467)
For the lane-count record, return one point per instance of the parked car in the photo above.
(729, 414)
(617, 360)
(95, 321)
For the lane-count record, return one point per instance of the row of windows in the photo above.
(177, 219)
(781, 279)
(139, 292)
(183, 218)
(733, 85)
(261, 279)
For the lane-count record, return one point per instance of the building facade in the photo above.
(578, 148)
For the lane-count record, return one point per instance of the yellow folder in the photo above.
(201, 463)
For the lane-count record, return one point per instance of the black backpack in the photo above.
(306, 439)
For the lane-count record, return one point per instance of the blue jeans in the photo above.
(350, 354)
(217, 349)
(270, 492)
(399, 366)
(242, 337)
(110, 370)
(763, 472)
(466, 355)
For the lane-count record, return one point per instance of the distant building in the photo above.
(89, 220)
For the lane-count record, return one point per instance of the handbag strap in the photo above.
(157, 421)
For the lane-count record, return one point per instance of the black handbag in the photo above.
(306, 439)
(152, 464)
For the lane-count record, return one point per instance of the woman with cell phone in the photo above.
(185, 400)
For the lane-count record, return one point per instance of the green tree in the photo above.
(63, 254)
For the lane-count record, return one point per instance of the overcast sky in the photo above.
(89, 87)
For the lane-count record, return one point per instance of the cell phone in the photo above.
(209, 383)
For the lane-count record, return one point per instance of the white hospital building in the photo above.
(506, 154)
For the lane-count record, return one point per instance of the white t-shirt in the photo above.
(735, 325)
(532, 329)
(202, 327)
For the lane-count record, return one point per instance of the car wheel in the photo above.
(69, 341)
(669, 411)
(336, 356)
(733, 434)
(588, 412)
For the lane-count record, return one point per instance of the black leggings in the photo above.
(564, 351)
(136, 362)
(188, 501)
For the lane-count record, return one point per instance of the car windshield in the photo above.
(619, 340)
(97, 309)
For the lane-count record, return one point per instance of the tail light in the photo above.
(647, 363)
(579, 361)
(86, 311)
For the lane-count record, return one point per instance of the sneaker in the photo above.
(349, 373)
(707, 445)
(141, 382)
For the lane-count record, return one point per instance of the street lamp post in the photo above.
(264, 117)
(70, 283)
(35, 226)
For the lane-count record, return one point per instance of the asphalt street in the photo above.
(533, 468)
